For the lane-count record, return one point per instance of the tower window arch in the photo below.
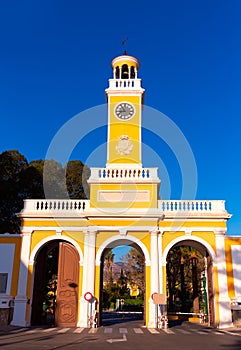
(117, 72)
(124, 72)
(133, 72)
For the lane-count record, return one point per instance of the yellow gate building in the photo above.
(124, 209)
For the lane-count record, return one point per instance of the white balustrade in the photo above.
(139, 174)
(55, 205)
(124, 83)
(201, 206)
(78, 206)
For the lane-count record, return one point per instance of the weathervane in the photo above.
(124, 44)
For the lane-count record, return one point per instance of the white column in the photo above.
(88, 276)
(19, 315)
(154, 278)
(223, 298)
(160, 262)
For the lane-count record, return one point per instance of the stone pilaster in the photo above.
(154, 279)
(88, 276)
(19, 316)
(225, 316)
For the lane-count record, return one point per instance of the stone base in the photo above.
(4, 317)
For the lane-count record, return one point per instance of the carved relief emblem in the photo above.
(124, 145)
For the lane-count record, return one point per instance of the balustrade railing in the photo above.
(78, 205)
(124, 83)
(191, 205)
(124, 174)
(56, 205)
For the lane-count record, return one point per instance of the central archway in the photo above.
(121, 312)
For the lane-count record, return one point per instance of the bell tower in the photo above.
(125, 98)
(124, 183)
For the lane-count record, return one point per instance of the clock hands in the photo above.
(124, 111)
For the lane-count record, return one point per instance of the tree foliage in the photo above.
(132, 274)
(184, 277)
(38, 179)
(135, 263)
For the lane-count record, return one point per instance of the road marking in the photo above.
(167, 330)
(31, 331)
(123, 330)
(18, 330)
(63, 330)
(117, 340)
(203, 332)
(93, 330)
(153, 331)
(218, 333)
(108, 330)
(79, 330)
(138, 330)
(49, 329)
(230, 333)
(182, 331)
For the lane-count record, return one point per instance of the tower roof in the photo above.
(125, 59)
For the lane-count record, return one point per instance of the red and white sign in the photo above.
(88, 296)
(152, 296)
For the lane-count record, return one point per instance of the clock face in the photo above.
(124, 111)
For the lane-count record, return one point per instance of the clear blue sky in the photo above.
(55, 62)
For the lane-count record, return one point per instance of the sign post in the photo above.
(160, 300)
(89, 297)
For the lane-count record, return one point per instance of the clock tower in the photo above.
(125, 98)
(124, 183)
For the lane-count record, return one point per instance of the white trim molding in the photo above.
(122, 241)
(51, 238)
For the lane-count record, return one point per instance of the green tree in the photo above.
(135, 265)
(38, 179)
(54, 181)
(180, 277)
(12, 165)
(108, 263)
(76, 179)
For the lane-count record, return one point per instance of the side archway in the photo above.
(52, 238)
(193, 239)
(55, 282)
(195, 285)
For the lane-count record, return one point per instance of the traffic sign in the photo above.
(88, 296)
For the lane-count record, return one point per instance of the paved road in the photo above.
(124, 336)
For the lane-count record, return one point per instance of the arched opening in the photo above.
(117, 72)
(56, 285)
(189, 276)
(133, 75)
(122, 284)
(125, 72)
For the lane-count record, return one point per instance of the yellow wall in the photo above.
(129, 127)
(151, 188)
